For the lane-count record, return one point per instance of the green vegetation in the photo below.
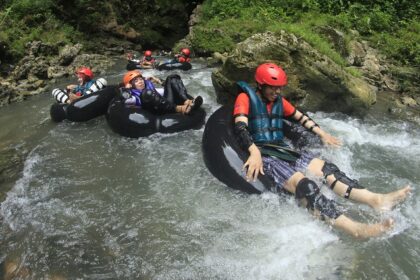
(159, 23)
(391, 25)
(26, 20)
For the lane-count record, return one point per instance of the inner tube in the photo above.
(224, 157)
(177, 65)
(85, 108)
(131, 65)
(136, 122)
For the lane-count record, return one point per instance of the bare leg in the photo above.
(339, 221)
(360, 230)
(375, 200)
(291, 184)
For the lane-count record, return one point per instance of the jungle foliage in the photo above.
(392, 26)
(160, 23)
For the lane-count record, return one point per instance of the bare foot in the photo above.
(362, 230)
(387, 201)
(373, 230)
(188, 102)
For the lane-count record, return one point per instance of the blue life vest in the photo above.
(264, 127)
(137, 93)
(84, 88)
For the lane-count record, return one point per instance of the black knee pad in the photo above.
(332, 169)
(309, 190)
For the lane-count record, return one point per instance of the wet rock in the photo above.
(408, 101)
(216, 59)
(22, 69)
(57, 71)
(336, 38)
(39, 68)
(356, 54)
(97, 62)
(391, 83)
(371, 65)
(324, 84)
(38, 48)
(68, 53)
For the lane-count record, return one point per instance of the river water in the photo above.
(91, 204)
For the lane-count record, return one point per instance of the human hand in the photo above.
(73, 97)
(328, 139)
(254, 164)
(155, 80)
(69, 88)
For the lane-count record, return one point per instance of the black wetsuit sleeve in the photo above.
(157, 102)
(243, 136)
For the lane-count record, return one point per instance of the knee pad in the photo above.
(309, 190)
(332, 169)
(148, 96)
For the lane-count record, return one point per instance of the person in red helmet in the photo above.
(258, 118)
(148, 61)
(183, 56)
(85, 85)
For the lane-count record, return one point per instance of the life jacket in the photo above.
(183, 58)
(264, 127)
(82, 90)
(137, 93)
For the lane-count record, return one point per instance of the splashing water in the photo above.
(93, 205)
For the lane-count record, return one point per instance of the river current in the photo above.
(91, 204)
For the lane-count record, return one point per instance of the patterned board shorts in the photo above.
(281, 171)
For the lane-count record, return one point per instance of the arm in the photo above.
(70, 88)
(254, 162)
(311, 125)
(155, 80)
(71, 92)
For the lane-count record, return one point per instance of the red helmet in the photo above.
(130, 75)
(186, 51)
(270, 74)
(85, 71)
(148, 53)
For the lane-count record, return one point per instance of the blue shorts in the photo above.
(281, 171)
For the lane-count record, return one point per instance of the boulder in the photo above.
(356, 53)
(38, 48)
(97, 62)
(315, 81)
(68, 53)
(57, 71)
